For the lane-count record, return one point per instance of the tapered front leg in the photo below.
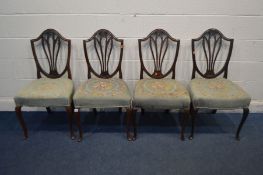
(245, 114)
(184, 121)
(130, 122)
(134, 111)
(21, 121)
(77, 116)
(48, 110)
(95, 112)
(142, 111)
(70, 121)
(193, 113)
(214, 111)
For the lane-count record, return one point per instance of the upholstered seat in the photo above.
(161, 93)
(50, 50)
(102, 93)
(45, 92)
(211, 53)
(158, 54)
(218, 93)
(103, 89)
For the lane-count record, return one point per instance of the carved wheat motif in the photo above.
(103, 41)
(51, 42)
(158, 41)
(211, 41)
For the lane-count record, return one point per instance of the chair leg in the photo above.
(48, 110)
(214, 111)
(77, 116)
(129, 123)
(134, 111)
(120, 110)
(21, 121)
(245, 114)
(142, 111)
(185, 119)
(95, 112)
(193, 116)
(70, 120)
(167, 111)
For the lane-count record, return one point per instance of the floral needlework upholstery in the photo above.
(102, 93)
(161, 94)
(45, 92)
(218, 93)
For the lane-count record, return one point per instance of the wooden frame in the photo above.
(51, 42)
(158, 54)
(211, 53)
(103, 53)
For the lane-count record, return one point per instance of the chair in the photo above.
(102, 51)
(158, 91)
(51, 53)
(211, 91)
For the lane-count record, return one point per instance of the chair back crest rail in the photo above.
(50, 42)
(211, 43)
(103, 42)
(158, 41)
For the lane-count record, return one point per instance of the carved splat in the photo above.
(51, 42)
(211, 41)
(158, 41)
(103, 41)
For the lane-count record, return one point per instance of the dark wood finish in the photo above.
(245, 114)
(134, 122)
(211, 41)
(142, 111)
(48, 110)
(103, 41)
(214, 111)
(51, 42)
(70, 118)
(130, 126)
(77, 114)
(184, 121)
(158, 41)
(167, 111)
(21, 121)
(95, 112)
(193, 113)
(104, 44)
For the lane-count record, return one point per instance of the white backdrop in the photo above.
(21, 20)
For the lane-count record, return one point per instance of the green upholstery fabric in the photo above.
(102, 93)
(161, 94)
(218, 93)
(45, 92)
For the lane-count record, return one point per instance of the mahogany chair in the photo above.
(53, 87)
(211, 54)
(158, 90)
(103, 90)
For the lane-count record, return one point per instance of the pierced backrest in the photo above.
(105, 49)
(51, 48)
(213, 49)
(158, 46)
